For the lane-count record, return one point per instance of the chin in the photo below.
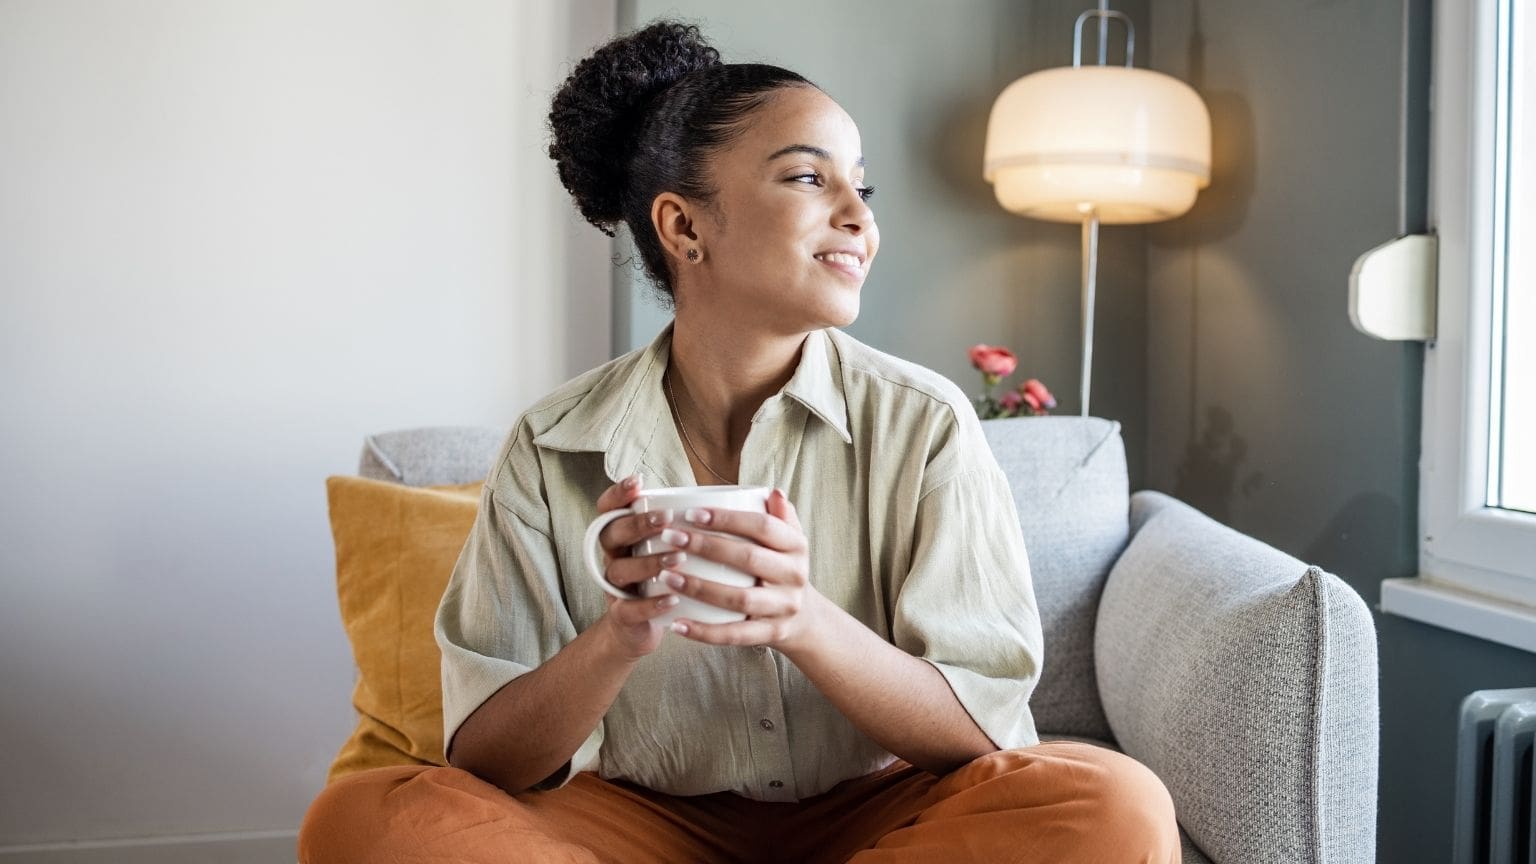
(823, 316)
(840, 306)
(847, 315)
(843, 307)
(819, 307)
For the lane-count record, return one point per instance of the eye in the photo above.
(865, 192)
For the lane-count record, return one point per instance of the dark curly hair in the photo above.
(642, 115)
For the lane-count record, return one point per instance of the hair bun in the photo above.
(597, 114)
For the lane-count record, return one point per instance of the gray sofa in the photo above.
(1246, 679)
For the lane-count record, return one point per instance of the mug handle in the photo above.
(593, 553)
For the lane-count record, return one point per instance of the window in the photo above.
(1477, 487)
(1512, 481)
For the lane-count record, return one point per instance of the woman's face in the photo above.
(789, 239)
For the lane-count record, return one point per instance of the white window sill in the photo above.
(1454, 609)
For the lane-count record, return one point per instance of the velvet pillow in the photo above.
(395, 549)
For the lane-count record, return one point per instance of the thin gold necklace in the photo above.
(666, 379)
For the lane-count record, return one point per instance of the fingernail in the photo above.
(654, 519)
(673, 559)
(675, 580)
(667, 602)
(697, 516)
(673, 537)
(680, 627)
(631, 481)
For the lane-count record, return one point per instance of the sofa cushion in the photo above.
(1070, 488)
(395, 549)
(1226, 666)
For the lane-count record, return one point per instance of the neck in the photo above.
(723, 373)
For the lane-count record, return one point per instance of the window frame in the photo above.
(1477, 564)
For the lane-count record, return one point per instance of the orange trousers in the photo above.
(1058, 802)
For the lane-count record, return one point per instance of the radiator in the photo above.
(1494, 795)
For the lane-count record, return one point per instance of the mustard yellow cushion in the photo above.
(395, 549)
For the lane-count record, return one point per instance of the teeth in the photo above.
(839, 258)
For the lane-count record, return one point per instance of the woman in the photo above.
(873, 706)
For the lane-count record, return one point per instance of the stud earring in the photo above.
(693, 254)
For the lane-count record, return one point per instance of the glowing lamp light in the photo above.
(1098, 144)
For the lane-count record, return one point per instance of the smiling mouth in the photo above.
(842, 262)
(840, 258)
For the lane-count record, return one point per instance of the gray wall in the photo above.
(919, 77)
(1265, 408)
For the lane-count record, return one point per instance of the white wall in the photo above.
(235, 238)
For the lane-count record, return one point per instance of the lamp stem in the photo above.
(1103, 33)
(1090, 280)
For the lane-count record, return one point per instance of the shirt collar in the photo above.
(818, 383)
(623, 412)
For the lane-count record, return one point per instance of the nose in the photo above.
(854, 215)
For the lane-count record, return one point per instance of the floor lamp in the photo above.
(1098, 145)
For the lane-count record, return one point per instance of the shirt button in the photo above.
(761, 649)
(777, 784)
(766, 724)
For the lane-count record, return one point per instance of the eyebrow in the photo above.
(806, 148)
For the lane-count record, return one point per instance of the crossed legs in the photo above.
(1059, 801)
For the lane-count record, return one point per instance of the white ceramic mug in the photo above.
(679, 499)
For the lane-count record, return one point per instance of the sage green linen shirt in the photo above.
(911, 527)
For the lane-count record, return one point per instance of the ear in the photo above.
(673, 217)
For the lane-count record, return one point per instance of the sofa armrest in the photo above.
(1248, 682)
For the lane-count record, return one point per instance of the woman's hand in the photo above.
(632, 623)
(770, 546)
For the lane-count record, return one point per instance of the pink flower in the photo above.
(994, 360)
(1036, 395)
(1010, 401)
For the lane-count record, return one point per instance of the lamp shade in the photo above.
(1131, 143)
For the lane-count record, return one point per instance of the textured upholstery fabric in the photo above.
(1247, 681)
(431, 456)
(395, 548)
(1070, 487)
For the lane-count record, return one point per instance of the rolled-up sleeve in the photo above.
(502, 615)
(967, 604)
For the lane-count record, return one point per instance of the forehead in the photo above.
(800, 117)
